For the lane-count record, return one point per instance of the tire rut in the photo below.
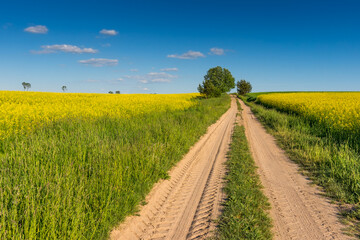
(299, 211)
(185, 206)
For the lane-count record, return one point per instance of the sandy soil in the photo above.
(299, 211)
(184, 206)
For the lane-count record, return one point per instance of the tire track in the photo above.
(184, 206)
(298, 209)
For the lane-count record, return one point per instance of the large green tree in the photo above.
(243, 87)
(216, 81)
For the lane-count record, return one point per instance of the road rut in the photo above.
(298, 209)
(185, 206)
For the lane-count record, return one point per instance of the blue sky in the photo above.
(167, 46)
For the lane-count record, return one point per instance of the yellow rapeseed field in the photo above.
(340, 111)
(23, 111)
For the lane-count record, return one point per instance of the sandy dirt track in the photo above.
(298, 209)
(184, 206)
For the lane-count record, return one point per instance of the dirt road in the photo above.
(298, 211)
(183, 206)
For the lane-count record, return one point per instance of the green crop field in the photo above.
(78, 177)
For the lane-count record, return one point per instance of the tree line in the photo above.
(27, 86)
(219, 80)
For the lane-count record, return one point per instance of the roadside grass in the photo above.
(334, 166)
(251, 97)
(255, 94)
(245, 213)
(77, 179)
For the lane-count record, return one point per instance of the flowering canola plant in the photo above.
(339, 111)
(24, 111)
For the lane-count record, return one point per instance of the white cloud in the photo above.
(91, 81)
(152, 77)
(160, 75)
(145, 89)
(64, 48)
(134, 70)
(169, 69)
(99, 62)
(217, 51)
(108, 32)
(138, 78)
(37, 29)
(161, 80)
(188, 55)
(128, 76)
(115, 81)
(106, 45)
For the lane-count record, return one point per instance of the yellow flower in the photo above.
(338, 111)
(21, 111)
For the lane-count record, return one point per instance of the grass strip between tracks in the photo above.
(245, 214)
(332, 165)
(77, 179)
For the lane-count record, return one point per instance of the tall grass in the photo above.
(77, 179)
(333, 114)
(245, 214)
(332, 164)
(336, 164)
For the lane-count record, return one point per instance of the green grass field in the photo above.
(332, 164)
(77, 179)
(245, 214)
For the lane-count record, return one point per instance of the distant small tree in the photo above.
(243, 87)
(216, 81)
(111, 92)
(26, 85)
(64, 88)
(117, 92)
